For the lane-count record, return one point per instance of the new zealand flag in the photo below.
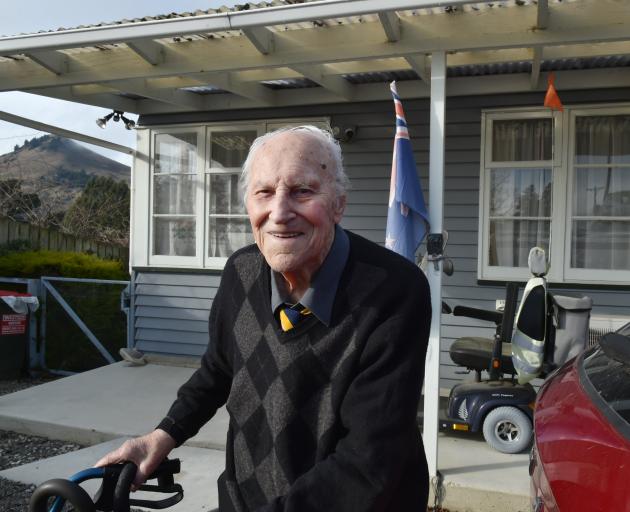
(407, 217)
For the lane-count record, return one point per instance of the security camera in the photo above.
(348, 133)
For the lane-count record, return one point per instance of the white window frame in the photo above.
(213, 261)
(562, 187)
(161, 259)
(143, 197)
(579, 275)
(485, 271)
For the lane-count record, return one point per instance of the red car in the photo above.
(580, 460)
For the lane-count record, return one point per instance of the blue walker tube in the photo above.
(81, 476)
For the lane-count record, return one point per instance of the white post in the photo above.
(436, 211)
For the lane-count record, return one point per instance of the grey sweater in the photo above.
(321, 418)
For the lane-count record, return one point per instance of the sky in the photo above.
(29, 16)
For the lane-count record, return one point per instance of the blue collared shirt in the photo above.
(320, 296)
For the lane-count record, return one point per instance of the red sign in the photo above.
(13, 324)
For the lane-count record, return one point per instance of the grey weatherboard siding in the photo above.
(171, 308)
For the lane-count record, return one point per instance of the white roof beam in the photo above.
(254, 91)
(459, 86)
(55, 62)
(112, 101)
(391, 25)
(572, 23)
(261, 38)
(420, 64)
(343, 43)
(334, 83)
(62, 132)
(233, 20)
(150, 51)
(536, 61)
(542, 14)
(184, 99)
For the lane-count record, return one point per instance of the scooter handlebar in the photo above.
(480, 314)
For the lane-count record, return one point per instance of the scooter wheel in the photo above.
(507, 429)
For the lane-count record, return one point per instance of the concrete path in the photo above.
(103, 406)
(200, 469)
(112, 401)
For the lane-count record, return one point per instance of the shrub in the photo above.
(60, 264)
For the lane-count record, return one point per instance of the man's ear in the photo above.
(340, 206)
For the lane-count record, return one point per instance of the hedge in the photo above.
(35, 264)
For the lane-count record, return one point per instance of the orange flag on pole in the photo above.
(552, 100)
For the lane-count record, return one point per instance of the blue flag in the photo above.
(407, 217)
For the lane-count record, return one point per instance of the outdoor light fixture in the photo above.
(117, 115)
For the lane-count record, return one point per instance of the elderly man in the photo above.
(317, 346)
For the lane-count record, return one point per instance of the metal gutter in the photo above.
(234, 20)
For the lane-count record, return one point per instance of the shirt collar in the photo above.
(320, 296)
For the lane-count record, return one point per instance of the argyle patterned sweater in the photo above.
(321, 418)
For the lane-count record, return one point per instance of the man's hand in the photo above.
(146, 452)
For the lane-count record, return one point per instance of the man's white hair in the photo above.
(342, 183)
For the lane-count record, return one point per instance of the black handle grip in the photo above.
(65, 489)
(480, 314)
(123, 487)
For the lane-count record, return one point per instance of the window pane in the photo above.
(599, 244)
(602, 139)
(229, 149)
(227, 235)
(174, 237)
(522, 140)
(174, 194)
(511, 241)
(520, 192)
(176, 153)
(602, 192)
(224, 194)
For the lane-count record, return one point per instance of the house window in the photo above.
(176, 168)
(599, 230)
(196, 214)
(558, 181)
(228, 226)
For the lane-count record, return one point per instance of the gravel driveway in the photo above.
(18, 449)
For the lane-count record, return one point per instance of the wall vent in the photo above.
(600, 325)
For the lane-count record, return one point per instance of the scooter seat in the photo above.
(475, 354)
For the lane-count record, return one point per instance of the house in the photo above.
(505, 172)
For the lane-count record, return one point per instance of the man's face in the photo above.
(292, 203)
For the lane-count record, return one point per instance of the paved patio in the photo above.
(102, 407)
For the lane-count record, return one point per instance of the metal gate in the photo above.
(46, 289)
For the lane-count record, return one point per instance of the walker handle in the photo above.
(123, 487)
(67, 490)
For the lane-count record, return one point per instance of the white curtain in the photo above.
(520, 198)
(600, 235)
(521, 140)
(174, 194)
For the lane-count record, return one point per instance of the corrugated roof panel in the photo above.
(382, 76)
(203, 90)
(290, 83)
(499, 4)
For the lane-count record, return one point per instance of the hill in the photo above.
(57, 169)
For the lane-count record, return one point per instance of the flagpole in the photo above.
(434, 272)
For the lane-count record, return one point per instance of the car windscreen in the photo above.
(607, 381)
